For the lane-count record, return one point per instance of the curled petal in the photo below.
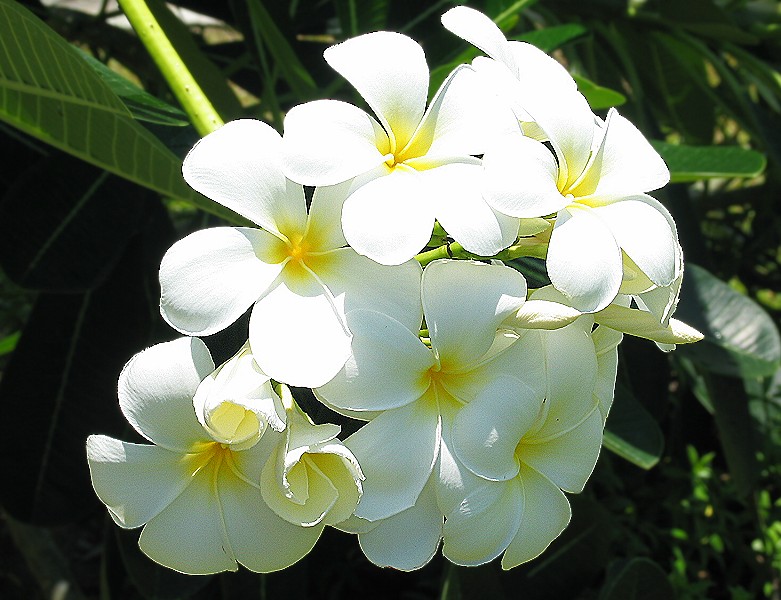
(643, 324)
(480, 31)
(542, 314)
(584, 260)
(546, 512)
(487, 430)
(389, 70)
(211, 277)
(324, 224)
(328, 142)
(239, 166)
(156, 390)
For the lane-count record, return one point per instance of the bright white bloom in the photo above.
(413, 393)
(609, 236)
(415, 165)
(296, 270)
(197, 490)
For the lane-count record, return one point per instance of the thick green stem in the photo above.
(523, 247)
(187, 91)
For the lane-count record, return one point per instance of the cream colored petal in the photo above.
(135, 481)
(389, 70)
(407, 540)
(546, 513)
(484, 524)
(156, 389)
(260, 540)
(211, 277)
(328, 142)
(569, 458)
(464, 303)
(189, 535)
(387, 368)
(397, 452)
(643, 324)
(239, 166)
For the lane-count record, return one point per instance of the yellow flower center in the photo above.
(298, 250)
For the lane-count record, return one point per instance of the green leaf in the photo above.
(550, 38)
(48, 91)
(598, 97)
(692, 163)
(8, 343)
(285, 59)
(631, 432)
(741, 340)
(142, 105)
(640, 579)
(70, 238)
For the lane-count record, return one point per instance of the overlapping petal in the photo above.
(239, 166)
(211, 277)
(156, 388)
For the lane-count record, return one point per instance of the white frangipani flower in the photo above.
(413, 393)
(296, 270)
(594, 181)
(412, 164)
(197, 490)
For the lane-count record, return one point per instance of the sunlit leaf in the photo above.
(551, 38)
(741, 339)
(692, 163)
(598, 97)
(8, 343)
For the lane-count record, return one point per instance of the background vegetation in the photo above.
(687, 501)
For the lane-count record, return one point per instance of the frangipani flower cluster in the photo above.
(484, 401)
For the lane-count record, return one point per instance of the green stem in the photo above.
(187, 91)
(523, 247)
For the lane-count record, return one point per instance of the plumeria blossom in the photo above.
(196, 490)
(412, 164)
(412, 394)
(296, 270)
(609, 236)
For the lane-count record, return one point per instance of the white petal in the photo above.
(542, 314)
(463, 119)
(520, 178)
(296, 333)
(389, 70)
(487, 430)
(324, 224)
(624, 164)
(407, 540)
(390, 219)
(454, 481)
(584, 260)
(537, 70)
(462, 211)
(135, 481)
(260, 540)
(156, 390)
(211, 277)
(396, 451)
(327, 142)
(394, 291)
(606, 345)
(463, 330)
(646, 232)
(477, 29)
(546, 512)
(386, 369)
(569, 459)
(188, 536)
(239, 166)
(484, 524)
